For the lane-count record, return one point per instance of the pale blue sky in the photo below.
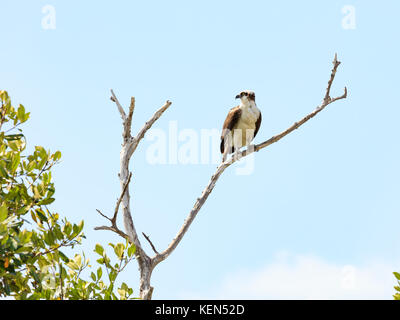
(330, 189)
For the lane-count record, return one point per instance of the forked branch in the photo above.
(113, 220)
(147, 264)
(129, 146)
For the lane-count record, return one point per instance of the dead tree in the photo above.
(147, 263)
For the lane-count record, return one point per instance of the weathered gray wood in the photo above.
(129, 145)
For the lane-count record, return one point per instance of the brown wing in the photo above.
(229, 123)
(258, 124)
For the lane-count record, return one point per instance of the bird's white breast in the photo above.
(248, 117)
(246, 124)
(250, 114)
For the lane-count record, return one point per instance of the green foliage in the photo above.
(32, 263)
(397, 288)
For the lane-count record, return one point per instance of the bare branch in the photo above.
(295, 126)
(129, 145)
(221, 168)
(125, 187)
(116, 230)
(120, 109)
(151, 243)
(128, 121)
(113, 220)
(113, 226)
(336, 64)
(147, 264)
(103, 215)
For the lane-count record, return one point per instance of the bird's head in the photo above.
(246, 96)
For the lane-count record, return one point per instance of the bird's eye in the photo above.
(246, 94)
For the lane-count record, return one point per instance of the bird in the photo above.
(241, 124)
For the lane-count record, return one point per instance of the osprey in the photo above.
(241, 125)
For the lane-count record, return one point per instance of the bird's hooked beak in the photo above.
(238, 96)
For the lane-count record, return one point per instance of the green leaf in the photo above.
(35, 275)
(42, 152)
(26, 116)
(57, 156)
(63, 256)
(15, 162)
(14, 146)
(122, 293)
(67, 228)
(77, 228)
(397, 275)
(58, 233)
(112, 276)
(131, 250)
(119, 250)
(49, 238)
(3, 172)
(3, 212)
(22, 210)
(13, 243)
(42, 163)
(36, 192)
(31, 165)
(34, 296)
(21, 114)
(99, 273)
(72, 264)
(46, 201)
(78, 260)
(41, 215)
(99, 249)
(25, 236)
(11, 137)
(7, 288)
(80, 226)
